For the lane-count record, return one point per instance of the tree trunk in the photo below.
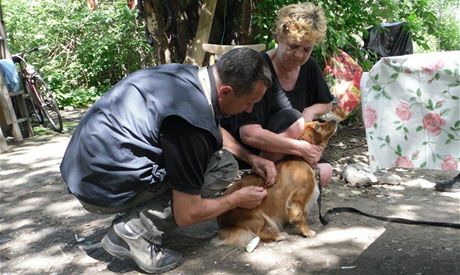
(171, 26)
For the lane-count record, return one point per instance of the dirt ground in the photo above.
(44, 230)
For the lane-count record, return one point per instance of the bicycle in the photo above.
(39, 98)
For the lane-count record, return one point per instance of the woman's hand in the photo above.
(310, 152)
(264, 168)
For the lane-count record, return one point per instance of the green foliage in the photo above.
(447, 33)
(88, 50)
(449, 37)
(349, 21)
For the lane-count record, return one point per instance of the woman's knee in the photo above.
(325, 173)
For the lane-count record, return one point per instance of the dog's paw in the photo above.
(308, 233)
(280, 238)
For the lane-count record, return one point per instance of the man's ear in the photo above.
(225, 90)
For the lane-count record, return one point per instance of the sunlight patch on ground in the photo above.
(20, 224)
(13, 178)
(363, 236)
(286, 259)
(395, 187)
(11, 171)
(51, 151)
(420, 183)
(25, 205)
(43, 262)
(25, 239)
(37, 235)
(65, 209)
(454, 195)
(407, 211)
(267, 256)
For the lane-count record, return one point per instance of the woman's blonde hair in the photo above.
(301, 22)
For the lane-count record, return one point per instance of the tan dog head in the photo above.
(319, 133)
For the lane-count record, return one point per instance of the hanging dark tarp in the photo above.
(389, 39)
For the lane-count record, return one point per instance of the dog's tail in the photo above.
(234, 236)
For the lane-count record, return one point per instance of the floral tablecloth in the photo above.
(411, 111)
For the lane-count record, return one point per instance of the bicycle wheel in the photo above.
(33, 108)
(48, 103)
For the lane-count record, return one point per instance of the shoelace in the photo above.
(156, 251)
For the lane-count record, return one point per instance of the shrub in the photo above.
(88, 50)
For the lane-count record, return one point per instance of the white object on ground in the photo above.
(251, 246)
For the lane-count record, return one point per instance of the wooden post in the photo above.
(3, 145)
(6, 106)
(196, 54)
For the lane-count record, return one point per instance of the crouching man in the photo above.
(151, 150)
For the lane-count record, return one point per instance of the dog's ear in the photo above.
(319, 133)
(308, 133)
(328, 129)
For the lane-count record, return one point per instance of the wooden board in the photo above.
(196, 54)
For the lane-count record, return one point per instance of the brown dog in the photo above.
(287, 200)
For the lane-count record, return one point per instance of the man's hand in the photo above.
(311, 153)
(264, 168)
(190, 209)
(250, 196)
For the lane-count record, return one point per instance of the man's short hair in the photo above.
(242, 68)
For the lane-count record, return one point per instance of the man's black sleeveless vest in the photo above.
(114, 153)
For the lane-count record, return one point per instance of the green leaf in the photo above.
(387, 139)
(419, 128)
(430, 106)
(377, 87)
(444, 112)
(398, 148)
